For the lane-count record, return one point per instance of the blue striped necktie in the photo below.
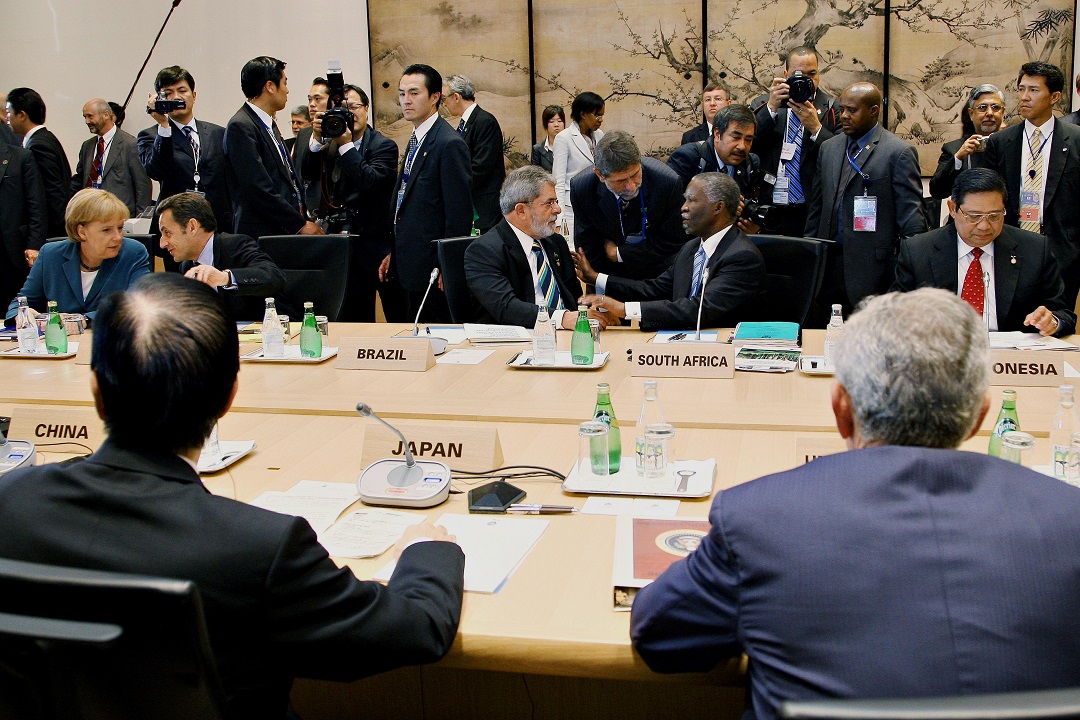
(794, 166)
(699, 267)
(545, 280)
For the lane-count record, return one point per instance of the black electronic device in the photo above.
(800, 88)
(495, 497)
(164, 106)
(337, 119)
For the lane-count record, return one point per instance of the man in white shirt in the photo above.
(1040, 161)
(1008, 275)
(726, 296)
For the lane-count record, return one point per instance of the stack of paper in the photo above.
(496, 334)
(759, 359)
(494, 547)
(368, 532)
(319, 503)
(1027, 341)
(771, 335)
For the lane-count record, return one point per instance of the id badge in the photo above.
(865, 213)
(1029, 213)
(780, 190)
(634, 239)
(787, 151)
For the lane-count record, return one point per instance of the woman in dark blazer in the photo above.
(554, 121)
(98, 259)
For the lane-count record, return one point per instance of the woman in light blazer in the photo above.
(573, 151)
(96, 261)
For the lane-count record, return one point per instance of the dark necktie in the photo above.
(461, 126)
(545, 280)
(99, 160)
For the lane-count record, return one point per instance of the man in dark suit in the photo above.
(312, 187)
(788, 138)
(522, 263)
(729, 152)
(432, 194)
(985, 113)
(183, 153)
(1073, 117)
(482, 134)
(867, 196)
(231, 264)
(26, 113)
(7, 135)
(714, 98)
(110, 160)
(736, 270)
(626, 212)
(978, 248)
(264, 188)
(1040, 161)
(22, 218)
(901, 568)
(355, 175)
(164, 370)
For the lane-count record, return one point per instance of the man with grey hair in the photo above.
(900, 568)
(522, 263)
(110, 160)
(726, 295)
(482, 134)
(626, 212)
(984, 116)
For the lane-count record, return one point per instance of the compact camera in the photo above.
(800, 88)
(163, 106)
(337, 119)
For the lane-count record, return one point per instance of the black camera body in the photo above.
(800, 88)
(762, 215)
(337, 119)
(164, 107)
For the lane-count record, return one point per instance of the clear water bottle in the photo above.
(650, 414)
(833, 333)
(543, 339)
(211, 451)
(1064, 424)
(272, 339)
(56, 341)
(26, 328)
(310, 337)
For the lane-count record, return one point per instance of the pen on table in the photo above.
(529, 509)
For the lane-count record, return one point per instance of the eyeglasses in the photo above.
(355, 106)
(984, 107)
(976, 218)
(547, 203)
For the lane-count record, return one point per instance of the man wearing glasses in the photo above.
(986, 112)
(1007, 274)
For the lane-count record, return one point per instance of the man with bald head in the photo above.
(110, 160)
(866, 196)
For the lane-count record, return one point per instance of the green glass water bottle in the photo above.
(606, 414)
(310, 337)
(582, 347)
(1007, 421)
(55, 332)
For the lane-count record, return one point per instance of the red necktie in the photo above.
(974, 291)
(95, 169)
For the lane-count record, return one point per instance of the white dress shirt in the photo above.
(964, 258)
(1047, 131)
(538, 298)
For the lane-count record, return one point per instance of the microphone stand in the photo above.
(175, 4)
(986, 301)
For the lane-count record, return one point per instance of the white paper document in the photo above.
(634, 507)
(494, 547)
(320, 506)
(1027, 341)
(480, 333)
(367, 533)
(464, 357)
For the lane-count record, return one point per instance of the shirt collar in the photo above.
(206, 257)
(26, 137)
(525, 240)
(108, 137)
(191, 125)
(1045, 129)
(422, 130)
(713, 241)
(266, 119)
(468, 113)
(963, 249)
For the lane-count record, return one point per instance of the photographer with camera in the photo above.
(729, 152)
(355, 167)
(183, 154)
(793, 120)
(985, 115)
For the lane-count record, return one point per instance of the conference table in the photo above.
(547, 644)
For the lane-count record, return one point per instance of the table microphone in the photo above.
(438, 344)
(701, 302)
(986, 300)
(402, 483)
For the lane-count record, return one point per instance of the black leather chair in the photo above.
(1038, 705)
(89, 645)
(316, 269)
(452, 262)
(152, 247)
(794, 268)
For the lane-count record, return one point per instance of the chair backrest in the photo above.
(152, 248)
(794, 268)
(89, 645)
(1036, 705)
(452, 261)
(316, 269)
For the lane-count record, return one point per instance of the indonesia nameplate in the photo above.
(1027, 368)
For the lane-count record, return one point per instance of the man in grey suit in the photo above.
(110, 160)
(867, 195)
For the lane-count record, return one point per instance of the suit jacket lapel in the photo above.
(5, 158)
(581, 144)
(1006, 274)
(72, 269)
(1059, 153)
(104, 274)
(265, 138)
(110, 158)
(421, 155)
(943, 260)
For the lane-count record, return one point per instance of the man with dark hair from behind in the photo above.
(26, 115)
(901, 568)
(267, 197)
(164, 369)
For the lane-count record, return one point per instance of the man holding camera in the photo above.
(355, 171)
(183, 154)
(792, 122)
(986, 112)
